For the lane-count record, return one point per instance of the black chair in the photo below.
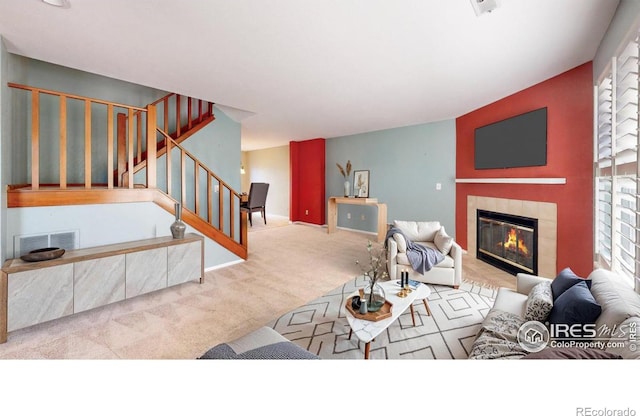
(257, 200)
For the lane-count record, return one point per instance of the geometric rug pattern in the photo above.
(321, 325)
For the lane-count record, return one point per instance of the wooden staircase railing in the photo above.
(171, 118)
(223, 222)
(201, 192)
(88, 104)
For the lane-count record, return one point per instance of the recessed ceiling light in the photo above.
(58, 3)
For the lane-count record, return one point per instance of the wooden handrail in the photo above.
(204, 167)
(73, 96)
(234, 196)
(182, 130)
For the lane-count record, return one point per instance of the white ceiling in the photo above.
(301, 69)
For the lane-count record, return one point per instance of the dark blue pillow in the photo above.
(565, 279)
(575, 306)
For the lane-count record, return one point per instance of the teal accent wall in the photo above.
(404, 164)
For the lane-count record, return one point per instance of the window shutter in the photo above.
(625, 163)
(604, 171)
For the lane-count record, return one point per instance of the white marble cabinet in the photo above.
(80, 280)
(41, 295)
(184, 263)
(98, 282)
(146, 271)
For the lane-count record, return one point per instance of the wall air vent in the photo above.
(23, 244)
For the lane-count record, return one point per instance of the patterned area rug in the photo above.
(321, 326)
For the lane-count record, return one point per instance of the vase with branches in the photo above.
(374, 271)
(345, 173)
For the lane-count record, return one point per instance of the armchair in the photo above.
(431, 234)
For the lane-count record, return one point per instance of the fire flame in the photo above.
(513, 243)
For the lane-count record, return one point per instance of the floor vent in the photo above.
(23, 244)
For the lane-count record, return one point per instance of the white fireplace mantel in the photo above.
(527, 181)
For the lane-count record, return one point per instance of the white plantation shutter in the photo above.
(617, 217)
(604, 171)
(625, 154)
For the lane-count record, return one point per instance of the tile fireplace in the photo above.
(545, 212)
(508, 242)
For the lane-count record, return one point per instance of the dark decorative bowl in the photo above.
(42, 254)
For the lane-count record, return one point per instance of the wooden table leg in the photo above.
(426, 305)
(413, 316)
(382, 222)
(332, 216)
(350, 332)
(367, 347)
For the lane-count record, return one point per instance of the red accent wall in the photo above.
(569, 101)
(308, 202)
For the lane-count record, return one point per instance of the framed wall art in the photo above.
(361, 183)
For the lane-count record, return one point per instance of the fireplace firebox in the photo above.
(508, 242)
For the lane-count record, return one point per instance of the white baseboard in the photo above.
(309, 224)
(339, 228)
(284, 217)
(357, 231)
(223, 265)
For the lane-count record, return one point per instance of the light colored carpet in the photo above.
(288, 266)
(321, 326)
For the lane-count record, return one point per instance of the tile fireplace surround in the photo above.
(545, 212)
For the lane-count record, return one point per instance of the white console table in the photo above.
(84, 279)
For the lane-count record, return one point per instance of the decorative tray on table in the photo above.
(382, 313)
(42, 254)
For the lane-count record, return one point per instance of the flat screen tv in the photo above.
(515, 142)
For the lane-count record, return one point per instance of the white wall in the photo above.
(245, 180)
(271, 166)
(625, 19)
(103, 224)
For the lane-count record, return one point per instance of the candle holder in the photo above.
(402, 293)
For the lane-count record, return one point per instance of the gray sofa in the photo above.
(617, 321)
(262, 344)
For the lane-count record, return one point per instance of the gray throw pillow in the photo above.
(443, 241)
(401, 242)
(539, 302)
(279, 351)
